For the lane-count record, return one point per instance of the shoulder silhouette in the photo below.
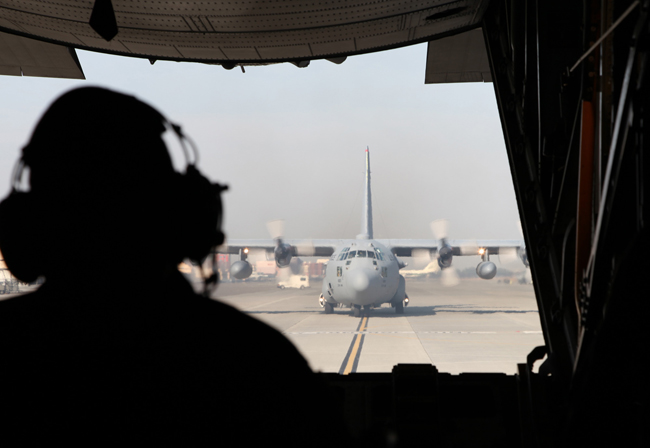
(115, 345)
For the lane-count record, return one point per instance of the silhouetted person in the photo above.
(115, 346)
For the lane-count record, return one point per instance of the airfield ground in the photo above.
(477, 326)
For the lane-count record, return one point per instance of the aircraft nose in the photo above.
(360, 281)
(365, 286)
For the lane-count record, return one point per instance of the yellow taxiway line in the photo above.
(355, 348)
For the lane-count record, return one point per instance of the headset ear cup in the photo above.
(20, 240)
(202, 217)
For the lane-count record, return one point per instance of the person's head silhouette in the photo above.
(128, 352)
(103, 190)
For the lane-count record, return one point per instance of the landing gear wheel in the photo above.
(356, 311)
(399, 308)
(329, 308)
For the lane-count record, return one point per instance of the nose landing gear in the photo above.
(358, 311)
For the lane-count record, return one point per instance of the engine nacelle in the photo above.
(283, 255)
(445, 256)
(241, 269)
(486, 270)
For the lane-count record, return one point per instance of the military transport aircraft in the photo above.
(364, 272)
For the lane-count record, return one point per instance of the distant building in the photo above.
(267, 267)
(314, 269)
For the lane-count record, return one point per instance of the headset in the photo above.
(196, 204)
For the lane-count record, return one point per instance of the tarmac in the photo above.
(477, 326)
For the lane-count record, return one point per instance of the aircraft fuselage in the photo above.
(361, 273)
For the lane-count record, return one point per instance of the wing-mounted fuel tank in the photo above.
(241, 269)
(486, 269)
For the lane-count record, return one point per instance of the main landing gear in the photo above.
(328, 307)
(399, 307)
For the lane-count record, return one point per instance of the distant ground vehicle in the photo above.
(295, 281)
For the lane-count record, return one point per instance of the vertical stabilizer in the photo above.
(366, 218)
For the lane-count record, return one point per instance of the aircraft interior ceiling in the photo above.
(237, 32)
(571, 84)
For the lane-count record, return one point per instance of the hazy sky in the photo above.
(290, 142)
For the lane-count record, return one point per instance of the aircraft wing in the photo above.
(400, 247)
(306, 248)
(406, 247)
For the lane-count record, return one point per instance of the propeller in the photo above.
(513, 254)
(449, 276)
(421, 257)
(523, 256)
(284, 252)
(284, 273)
(440, 228)
(469, 248)
(305, 248)
(508, 255)
(276, 229)
(521, 253)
